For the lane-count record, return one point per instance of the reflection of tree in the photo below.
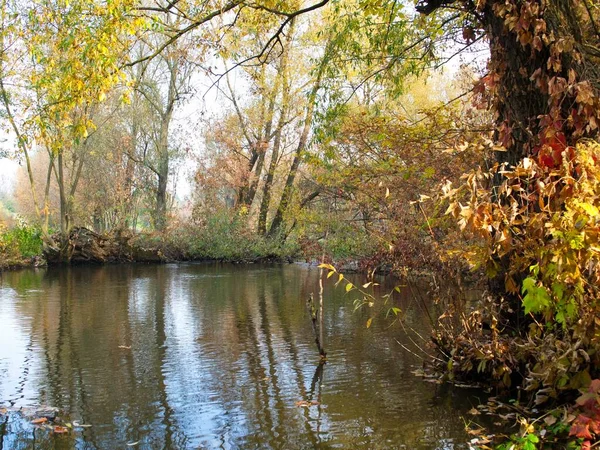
(3, 427)
(160, 296)
(219, 357)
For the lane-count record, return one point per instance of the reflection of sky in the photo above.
(17, 362)
(218, 359)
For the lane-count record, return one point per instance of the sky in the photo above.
(8, 172)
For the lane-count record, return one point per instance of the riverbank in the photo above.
(84, 246)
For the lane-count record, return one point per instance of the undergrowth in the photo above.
(19, 243)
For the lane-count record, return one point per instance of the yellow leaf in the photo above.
(349, 287)
(369, 322)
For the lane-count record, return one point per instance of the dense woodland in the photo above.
(446, 135)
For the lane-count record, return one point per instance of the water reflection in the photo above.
(213, 356)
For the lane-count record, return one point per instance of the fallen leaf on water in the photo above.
(305, 404)
(39, 421)
(60, 430)
(126, 347)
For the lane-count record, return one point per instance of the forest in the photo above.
(453, 137)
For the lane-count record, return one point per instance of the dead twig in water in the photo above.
(317, 323)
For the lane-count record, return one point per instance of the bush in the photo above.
(542, 233)
(228, 238)
(19, 242)
(221, 236)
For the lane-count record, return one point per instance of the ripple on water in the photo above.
(209, 356)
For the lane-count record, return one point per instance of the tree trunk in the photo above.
(254, 144)
(266, 198)
(160, 212)
(286, 196)
(263, 144)
(64, 213)
(162, 150)
(542, 85)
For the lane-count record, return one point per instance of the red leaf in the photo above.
(580, 427)
(594, 386)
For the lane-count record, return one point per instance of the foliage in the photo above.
(576, 426)
(379, 163)
(543, 220)
(18, 243)
(74, 49)
(366, 295)
(223, 236)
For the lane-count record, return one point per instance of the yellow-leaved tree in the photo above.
(59, 61)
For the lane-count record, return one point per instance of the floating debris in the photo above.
(306, 404)
(39, 421)
(76, 424)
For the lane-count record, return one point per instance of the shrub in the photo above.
(21, 241)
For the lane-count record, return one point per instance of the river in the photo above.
(203, 355)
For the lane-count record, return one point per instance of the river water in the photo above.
(216, 356)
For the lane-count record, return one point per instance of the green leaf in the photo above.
(537, 298)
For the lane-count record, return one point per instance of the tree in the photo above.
(160, 85)
(542, 82)
(60, 68)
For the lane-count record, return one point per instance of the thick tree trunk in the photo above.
(64, 214)
(542, 85)
(254, 144)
